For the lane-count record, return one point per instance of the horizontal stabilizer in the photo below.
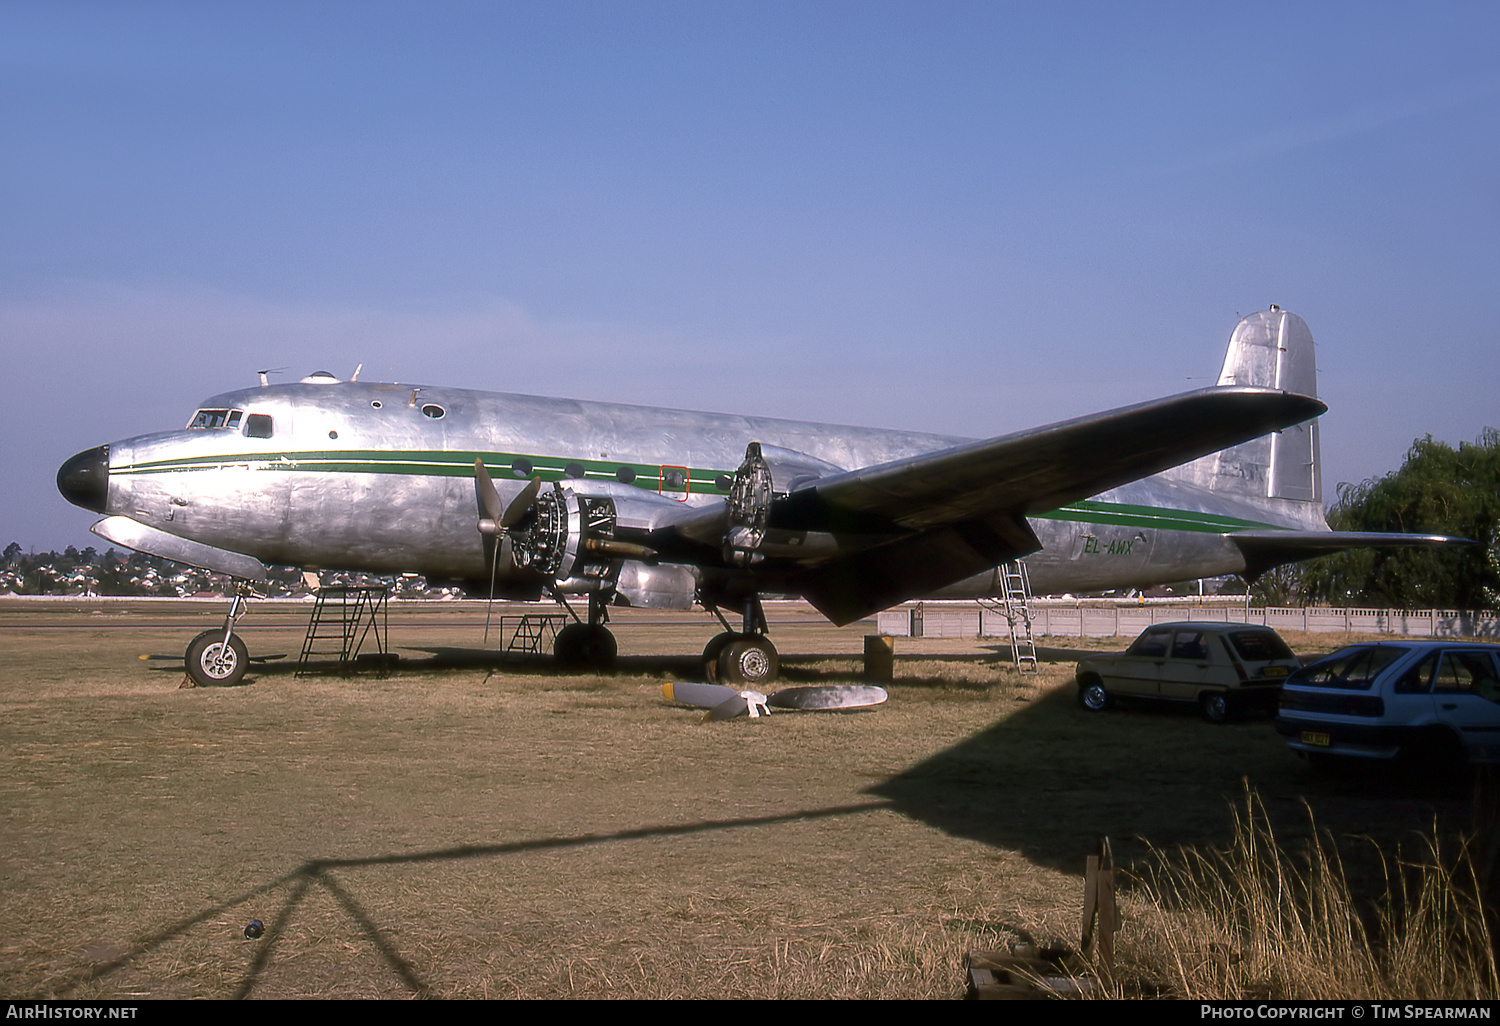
(1265, 550)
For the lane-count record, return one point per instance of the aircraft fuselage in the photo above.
(380, 478)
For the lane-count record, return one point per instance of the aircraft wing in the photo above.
(1039, 470)
(1265, 550)
(960, 511)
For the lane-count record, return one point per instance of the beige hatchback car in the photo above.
(1223, 668)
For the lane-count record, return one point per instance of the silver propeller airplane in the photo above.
(522, 497)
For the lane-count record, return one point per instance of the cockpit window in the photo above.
(258, 425)
(205, 419)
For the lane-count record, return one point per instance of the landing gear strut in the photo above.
(219, 657)
(744, 657)
(587, 646)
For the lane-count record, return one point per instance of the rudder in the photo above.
(1269, 349)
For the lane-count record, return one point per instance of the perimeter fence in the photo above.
(967, 620)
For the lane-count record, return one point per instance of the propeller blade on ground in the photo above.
(721, 701)
(700, 696)
(828, 696)
(729, 709)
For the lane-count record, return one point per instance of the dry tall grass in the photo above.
(1257, 922)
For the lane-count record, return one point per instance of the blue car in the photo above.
(1434, 702)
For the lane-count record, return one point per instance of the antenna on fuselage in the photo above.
(355, 375)
(264, 379)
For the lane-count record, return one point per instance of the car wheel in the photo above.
(1091, 694)
(1322, 762)
(1214, 706)
(1437, 754)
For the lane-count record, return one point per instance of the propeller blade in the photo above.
(730, 709)
(828, 696)
(721, 701)
(700, 696)
(489, 498)
(520, 505)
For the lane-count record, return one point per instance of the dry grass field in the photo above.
(476, 827)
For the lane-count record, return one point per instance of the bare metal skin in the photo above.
(663, 507)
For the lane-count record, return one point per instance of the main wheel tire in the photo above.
(749, 660)
(1091, 694)
(1214, 706)
(582, 646)
(712, 651)
(210, 663)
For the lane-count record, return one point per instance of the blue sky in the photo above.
(959, 217)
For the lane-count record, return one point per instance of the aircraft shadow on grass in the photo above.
(1051, 779)
(319, 873)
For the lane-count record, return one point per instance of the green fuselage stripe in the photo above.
(646, 476)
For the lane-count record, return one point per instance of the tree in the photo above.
(1438, 490)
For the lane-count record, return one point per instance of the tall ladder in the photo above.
(347, 614)
(1015, 603)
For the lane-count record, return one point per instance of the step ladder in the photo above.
(347, 614)
(1015, 604)
(532, 631)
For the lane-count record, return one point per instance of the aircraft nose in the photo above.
(84, 479)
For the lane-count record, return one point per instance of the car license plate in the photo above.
(1274, 671)
(1316, 737)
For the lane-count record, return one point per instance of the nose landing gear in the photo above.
(218, 657)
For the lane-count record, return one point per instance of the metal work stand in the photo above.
(348, 615)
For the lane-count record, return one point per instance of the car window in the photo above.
(1259, 646)
(1418, 679)
(1151, 644)
(1354, 669)
(1466, 673)
(1189, 645)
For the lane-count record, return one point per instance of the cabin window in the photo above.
(207, 419)
(258, 425)
(573, 470)
(625, 475)
(434, 411)
(520, 466)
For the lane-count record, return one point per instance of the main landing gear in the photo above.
(744, 657)
(587, 646)
(218, 657)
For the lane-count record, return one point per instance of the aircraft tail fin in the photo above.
(1269, 349)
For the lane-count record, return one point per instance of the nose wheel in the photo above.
(218, 658)
(211, 662)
